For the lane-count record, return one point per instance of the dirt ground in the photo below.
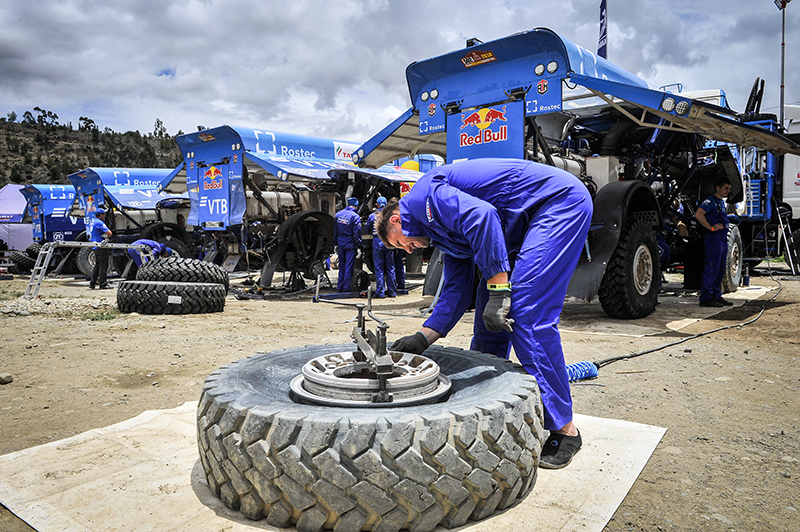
(729, 460)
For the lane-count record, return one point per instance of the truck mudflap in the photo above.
(615, 206)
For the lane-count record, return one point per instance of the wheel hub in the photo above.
(348, 379)
(642, 270)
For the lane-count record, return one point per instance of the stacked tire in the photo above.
(175, 285)
(22, 261)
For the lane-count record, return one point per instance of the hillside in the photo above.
(40, 150)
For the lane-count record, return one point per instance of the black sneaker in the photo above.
(725, 302)
(559, 449)
(711, 303)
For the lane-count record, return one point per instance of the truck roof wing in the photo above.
(52, 199)
(532, 66)
(90, 181)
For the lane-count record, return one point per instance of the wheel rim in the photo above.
(345, 379)
(735, 260)
(642, 270)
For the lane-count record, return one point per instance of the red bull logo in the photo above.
(212, 173)
(482, 119)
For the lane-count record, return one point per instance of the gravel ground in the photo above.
(728, 461)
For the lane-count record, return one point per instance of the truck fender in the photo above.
(615, 206)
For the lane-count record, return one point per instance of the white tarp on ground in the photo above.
(144, 474)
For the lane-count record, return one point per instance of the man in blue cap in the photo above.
(382, 258)
(100, 232)
(347, 235)
(524, 225)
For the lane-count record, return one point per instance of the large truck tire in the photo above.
(179, 270)
(23, 261)
(33, 250)
(85, 262)
(629, 289)
(381, 469)
(792, 254)
(733, 264)
(158, 297)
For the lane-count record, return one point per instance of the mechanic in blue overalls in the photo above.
(712, 215)
(524, 225)
(347, 235)
(100, 232)
(157, 249)
(382, 258)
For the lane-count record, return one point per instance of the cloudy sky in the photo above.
(336, 68)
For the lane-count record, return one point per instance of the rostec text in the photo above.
(288, 152)
(484, 137)
(212, 185)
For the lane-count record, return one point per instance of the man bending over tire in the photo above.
(524, 225)
(157, 249)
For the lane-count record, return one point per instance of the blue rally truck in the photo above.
(136, 210)
(48, 211)
(647, 155)
(269, 198)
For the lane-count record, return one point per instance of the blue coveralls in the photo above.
(399, 269)
(506, 215)
(715, 244)
(347, 234)
(156, 247)
(101, 254)
(383, 259)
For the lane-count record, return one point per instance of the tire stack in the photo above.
(175, 285)
(23, 261)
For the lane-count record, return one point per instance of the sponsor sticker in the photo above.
(432, 109)
(541, 87)
(428, 210)
(476, 58)
(174, 300)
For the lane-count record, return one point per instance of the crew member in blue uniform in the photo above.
(347, 235)
(712, 215)
(524, 225)
(100, 232)
(157, 249)
(382, 258)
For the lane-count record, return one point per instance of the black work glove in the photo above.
(416, 343)
(495, 315)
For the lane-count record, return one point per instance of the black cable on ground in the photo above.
(599, 364)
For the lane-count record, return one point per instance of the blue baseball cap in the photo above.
(353, 202)
(381, 202)
(99, 210)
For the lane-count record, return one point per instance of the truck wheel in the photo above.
(85, 262)
(178, 270)
(320, 467)
(158, 297)
(733, 266)
(23, 261)
(629, 289)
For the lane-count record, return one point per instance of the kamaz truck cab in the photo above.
(537, 96)
(269, 197)
(136, 210)
(48, 212)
